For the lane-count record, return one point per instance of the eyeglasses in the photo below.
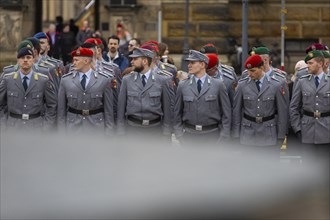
(131, 45)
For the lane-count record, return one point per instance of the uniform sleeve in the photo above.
(282, 103)
(237, 111)
(295, 107)
(3, 98)
(108, 103)
(225, 111)
(122, 99)
(51, 105)
(167, 99)
(178, 112)
(61, 107)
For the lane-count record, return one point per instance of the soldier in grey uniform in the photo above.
(312, 94)
(315, 46)
(144, 99)
(85, 99)
(202, 111)
(215, 70)
(257, 99)
(27, 98)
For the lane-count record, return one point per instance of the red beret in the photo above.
(95, 41)
(253, 61)
(150, 47)
(315, 46)
(152, 42)
(213, 60)
(82, 52)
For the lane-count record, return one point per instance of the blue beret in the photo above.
(24, 51)
(40, 35)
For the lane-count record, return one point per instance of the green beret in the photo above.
(326, 54)
(24, 43)
(312, 54)
(260, 50)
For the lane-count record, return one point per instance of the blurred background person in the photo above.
(124, 37)
(54, 41)
(68, 43)
(84, 33)
(163, 53)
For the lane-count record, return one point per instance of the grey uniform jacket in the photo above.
(210, 106)
(144, 103)
(97, 95)
(265, 103)
(39, 98)
(306, 97)
(229, 82)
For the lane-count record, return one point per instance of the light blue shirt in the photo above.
(147, 74)
(28, 76)
(202, 79)
(320, 77)
(88, 74)
(261, 81)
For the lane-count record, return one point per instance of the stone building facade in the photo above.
(210, 21)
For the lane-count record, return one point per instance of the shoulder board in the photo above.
(49, 63)
(227, 67)
(274, 78)
(114, 64)
(68, 74)
(303, 68)
(6, 67)
(108, 68)
(243, 79)
(305, 76)
(244, 71)
(228, 76)
(107, 75)
(106, 64)
(43, 75)
(280, 71)
(280, 75)
(14, 74)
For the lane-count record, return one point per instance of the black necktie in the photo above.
(25, 85)
(83, 81)
(317, 81)
(258, 85)
(199, 85)
(143, 80)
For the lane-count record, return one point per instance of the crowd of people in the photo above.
(97, 88)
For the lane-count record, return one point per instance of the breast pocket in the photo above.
(211, 102)
(12, 97)
(249, 101)
(96, 99)
(306, 97)
(188, 101)
(131, 96)
(154, 98)
(268, 102)
(326, 98)
(72, 99)
(37, 98)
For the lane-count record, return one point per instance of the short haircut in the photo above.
(138, 41)
(114, 37)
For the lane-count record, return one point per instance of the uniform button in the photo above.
(24, 97)
(71, 95)
(258, 115)
(258, 107)
(84, 118)
(24, 122)
(317, 96)
(258, 100)
(24, 106)
(84, 102)
(97, 95)
(84, 93)
(317, 103)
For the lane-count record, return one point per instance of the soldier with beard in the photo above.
(144, 99)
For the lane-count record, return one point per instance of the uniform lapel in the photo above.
(76, 80)
(193, 85)
(206, 86)
(92, 80)
(31, 84)
(149, 82)
(138, 81)
(323, 82)
(264, 86)
(19, 83)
